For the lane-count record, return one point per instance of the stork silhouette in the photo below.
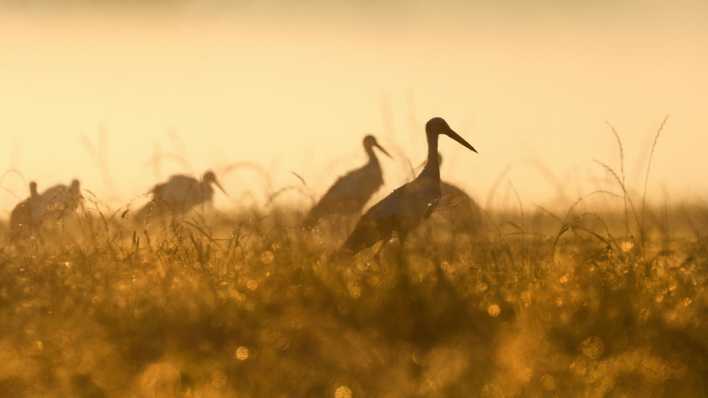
(407, 206)
(349, 194)
(59, 201)
(179, 195)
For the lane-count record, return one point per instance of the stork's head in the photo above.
(210, 178)
(438, 125)
(370, 142)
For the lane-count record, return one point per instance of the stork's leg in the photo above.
(36, 231)
(379, 251)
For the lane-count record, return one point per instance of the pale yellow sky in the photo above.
(295, 89)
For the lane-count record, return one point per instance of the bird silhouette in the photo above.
(179, 195)
(349, 194)
(24, 220)
(59, 201)
(407, 206)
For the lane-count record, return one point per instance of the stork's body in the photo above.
(457, 208)
(179, 195)
(58, 201)
(24, 218)
(406, 207)
(350, 193)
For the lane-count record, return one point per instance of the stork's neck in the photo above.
(206, 190)
(432, 168)
(372, 156)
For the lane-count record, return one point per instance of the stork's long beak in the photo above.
(218, 185)
(452, 134)
(376, 144)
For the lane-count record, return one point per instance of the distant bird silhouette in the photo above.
(24, 220)
(179, 195)
(53, 204)
(59, 201)
(407, 206)
(349, 194)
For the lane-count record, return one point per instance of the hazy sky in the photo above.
(295, 87)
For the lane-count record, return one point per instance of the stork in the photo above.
(23, 218)
(59, 201)
(348, 195)
(407, 206)
(179, 195)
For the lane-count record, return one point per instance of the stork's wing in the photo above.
(155, 191)
(453, 195)
(55, 193)
(409, 205)
(51, 202)
(180, 179)
(344, 188)
(390, 206)
(347, 195)
(177, 189)
(377, 223)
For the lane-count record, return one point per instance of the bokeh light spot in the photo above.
(494, 310)
(242, 353)
(343, 392)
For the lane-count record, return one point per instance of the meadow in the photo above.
(247, 304)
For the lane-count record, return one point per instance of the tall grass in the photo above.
(247, 304)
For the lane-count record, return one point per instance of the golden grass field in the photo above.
(563, 278)
(580, 304)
